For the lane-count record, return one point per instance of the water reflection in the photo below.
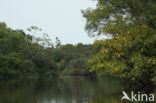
(65, 90)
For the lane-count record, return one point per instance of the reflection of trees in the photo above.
(66, 90)
(102, 99)
(16, 92)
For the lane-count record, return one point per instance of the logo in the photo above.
(137, 97)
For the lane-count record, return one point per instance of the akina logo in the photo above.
(137, 97)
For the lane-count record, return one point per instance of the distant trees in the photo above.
(24, 56)
(72, 59)
(20, 57)
(131, 53)
(58, 43)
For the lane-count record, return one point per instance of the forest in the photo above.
(27, 57)
(130, 54)
(93, 51)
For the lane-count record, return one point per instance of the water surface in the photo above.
(65, 90)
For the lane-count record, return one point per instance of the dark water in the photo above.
(65, 90)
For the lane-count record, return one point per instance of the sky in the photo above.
(57, 18)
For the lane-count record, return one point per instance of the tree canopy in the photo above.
(131, 53)
(25, 56)
(22, 57)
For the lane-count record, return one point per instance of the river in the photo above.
(65, 90)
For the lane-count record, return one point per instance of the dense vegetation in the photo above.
(131, 52)
(24, 56)
(72, 59)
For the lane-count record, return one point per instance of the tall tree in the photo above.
(131, 53)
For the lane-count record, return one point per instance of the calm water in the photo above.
(65, 90)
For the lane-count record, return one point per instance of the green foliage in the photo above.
(21, 57)
(58, 43)
(131, 53)
(107, 10)
(72, 59)
(43, 39)
(128, 55)
(26, 56)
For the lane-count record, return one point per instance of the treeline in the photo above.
(72, 59)
(23, 56)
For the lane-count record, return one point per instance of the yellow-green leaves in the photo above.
(125, 55)
(131, 51)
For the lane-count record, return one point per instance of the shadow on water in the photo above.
(64, 90)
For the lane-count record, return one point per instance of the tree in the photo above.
(58, 43)
(131, 53)
(137, 11)
(21, 57)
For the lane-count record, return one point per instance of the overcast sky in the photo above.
(58, 18)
